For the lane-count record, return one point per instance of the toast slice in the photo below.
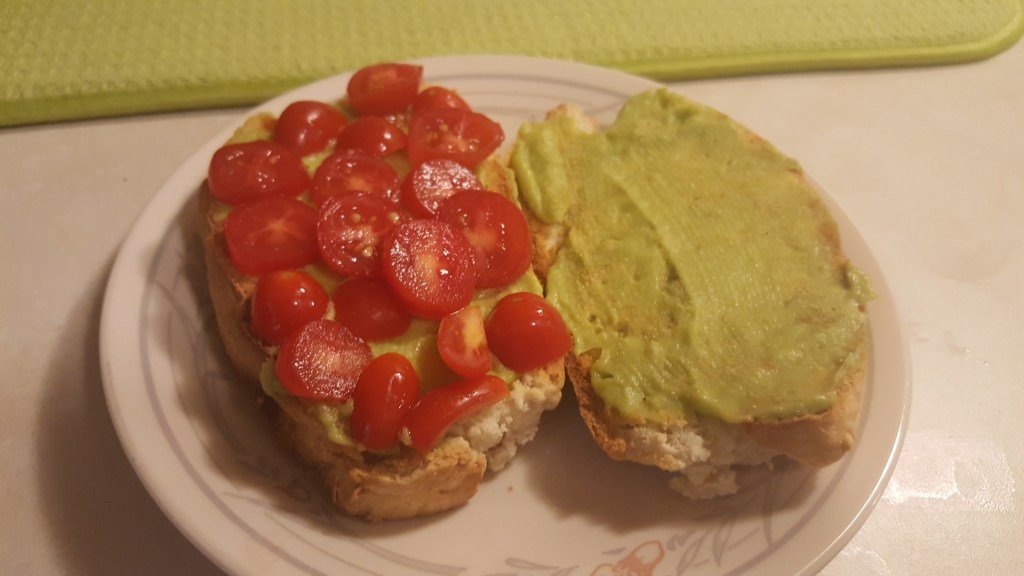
(404, 483)
(705, 449)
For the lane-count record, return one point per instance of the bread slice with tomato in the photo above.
(370, 268)
(718, 325)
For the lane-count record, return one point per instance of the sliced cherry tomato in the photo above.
(383, 396)
(463, 344)
(249, 171)
(384, 88)
(459, 135)
(438, 409)
(370, 310)
(350, 230)
(283, 302)
(345, 172)
(373, 136)
(433, 182)
(430, 267)
(437, 98)
(526, 332)
(497, 231)
(271, 234)
(322, 361)
(306, 126)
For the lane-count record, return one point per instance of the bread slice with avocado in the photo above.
(717, 323)
(401, 483)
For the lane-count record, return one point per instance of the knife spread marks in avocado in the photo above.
(698, 262)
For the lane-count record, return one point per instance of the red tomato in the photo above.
(321, 361)
(438, 409)
(433, 182)
(525, 332)
(373, 136)
(430, 267)
(345, 173)
(384, 88)
(350, 230)
(370, 310)
(271, 234)
(435, 98)
(459, 135)
(306, 127)
(283, 302)
(383, 396)
(463, 344)
(497, 231)
(240, 173)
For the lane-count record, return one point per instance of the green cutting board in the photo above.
(67, 59)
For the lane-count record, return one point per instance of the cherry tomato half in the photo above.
(283, 302)
(459, 135)
(322, 361)
(373, 136)
(384, 88)
(346, 172)
(438, 409)
(383, 396)
(271, 234)
(350, 230)
(433, 182)
(306, 126)
(463, 344)
(429, 265)
(526, 332)
(249, 171)
(369, 310)
(497, 231)
(435, 98)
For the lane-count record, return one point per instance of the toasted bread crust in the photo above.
(814, 440)
(403, 484)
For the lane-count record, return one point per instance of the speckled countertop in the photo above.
(927, 162)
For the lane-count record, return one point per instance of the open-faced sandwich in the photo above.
(369, 267)
(383, 276)
(716, 321)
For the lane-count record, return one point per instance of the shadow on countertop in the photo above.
(101, 519)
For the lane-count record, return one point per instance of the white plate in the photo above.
(204, 448)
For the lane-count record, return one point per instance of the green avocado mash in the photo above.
(697, 266)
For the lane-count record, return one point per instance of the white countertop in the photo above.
(927, 162)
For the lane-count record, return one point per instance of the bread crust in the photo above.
(403, 484)
(814, 440)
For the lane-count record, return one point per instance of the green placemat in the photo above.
(64, 59)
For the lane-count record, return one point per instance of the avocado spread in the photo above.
(699, 268)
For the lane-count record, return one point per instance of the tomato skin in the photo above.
(430, 267)
(462, 342)
(241, 173)
(350, 230)
(373, 136)
(271, 234)
(428, 185)
(321, 361)
(283, 302)
(441, 407)
(306, 126)
(370, 310)
(525, 332)
(384, 88)
(383, 396)
(347, 172)
(498, 232)
(436, 98)
(465, 137)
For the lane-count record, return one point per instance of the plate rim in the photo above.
(122, 273)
